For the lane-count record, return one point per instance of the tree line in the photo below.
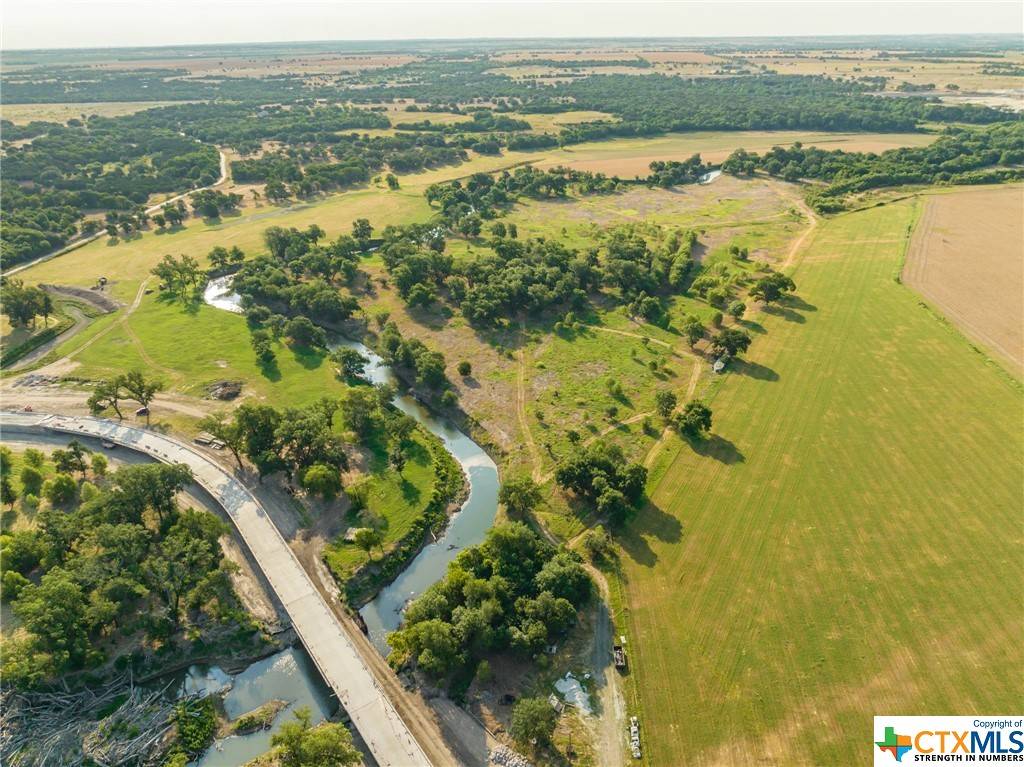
(959, 156)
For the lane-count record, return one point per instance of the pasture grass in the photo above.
(190, 346)
(845, 543)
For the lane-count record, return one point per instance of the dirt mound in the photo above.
(224, 390)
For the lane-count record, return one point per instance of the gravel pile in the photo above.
(504, 755)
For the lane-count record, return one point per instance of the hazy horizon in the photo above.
(145, 23)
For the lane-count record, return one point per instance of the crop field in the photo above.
(631, 157)
(967, 259)
(846, 542)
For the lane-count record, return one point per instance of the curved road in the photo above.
(336, 657)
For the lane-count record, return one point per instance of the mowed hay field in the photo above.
(967, 258)
(627, 158)
(847, 543)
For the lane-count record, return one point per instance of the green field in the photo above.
(847, 543)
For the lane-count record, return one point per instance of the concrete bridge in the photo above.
(336, 657)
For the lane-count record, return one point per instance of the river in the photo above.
(384, 613)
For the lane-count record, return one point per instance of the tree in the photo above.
(564, 576)
(772, 287)
(519, 495)
(323, 480)
(177, 275)
(298, 744)
(695, 419)
(187, 554)
(227, 431)
(71, 460)
(665, 403)
(258, 425)
(692, 329)
(612, 505)
(731, 341)
(54, 614)
(362, 231)
(140, 389)
(392, 181)
(31, 480)
(7, 494)
(106, 395)
(148, 486)
(21, 305)
(737, 309)
(302, 331)
(533, 721)
(465, 368)
(46, 307)
(98, 464)
(367, 537)
(597, 543)
(34, 457)
(350, 362)
(396, 457)
(61, 489)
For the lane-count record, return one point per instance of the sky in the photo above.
(106, 23)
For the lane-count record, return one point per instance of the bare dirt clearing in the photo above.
(967, 257)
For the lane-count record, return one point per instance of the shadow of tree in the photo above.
(651, 521)
(270, 370)
(777, 310)
(754, 370)
(308, 357)
(717, 447)
(798, 303)
(410, 493)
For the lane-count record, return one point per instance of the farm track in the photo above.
(524, 422)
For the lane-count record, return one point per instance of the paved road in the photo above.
(86, 239)
(336, 657)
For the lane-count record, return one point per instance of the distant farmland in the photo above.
(847, 543)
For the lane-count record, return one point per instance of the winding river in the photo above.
(289, 674)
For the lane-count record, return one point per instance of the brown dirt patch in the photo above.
(967, 258)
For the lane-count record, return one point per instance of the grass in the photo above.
(60, 113)
(190, 347)
(567, 389)
(397, 499)
(127, 263)
(846, 543)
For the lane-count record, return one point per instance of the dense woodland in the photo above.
(112, 561)
(513, 593)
